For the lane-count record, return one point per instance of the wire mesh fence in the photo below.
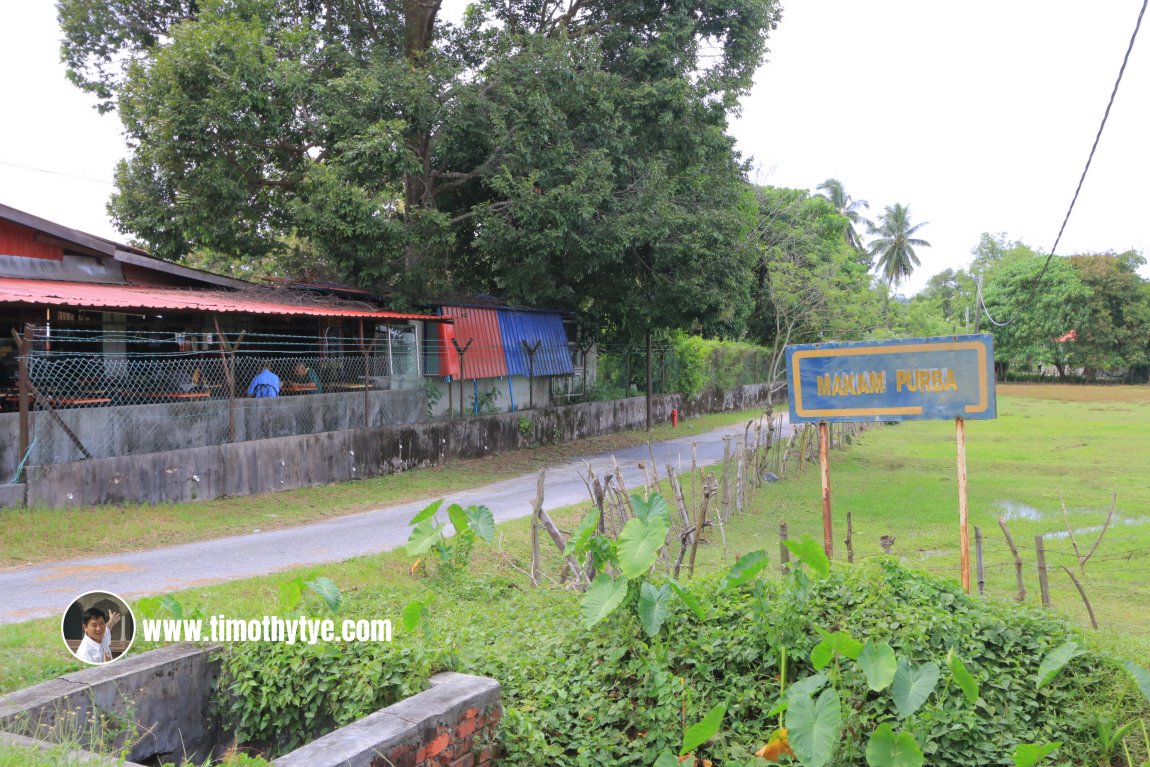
(98, 394)
(102, 393)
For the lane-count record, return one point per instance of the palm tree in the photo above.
(894, 244)
(833, 190)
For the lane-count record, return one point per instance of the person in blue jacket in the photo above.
(266, 384)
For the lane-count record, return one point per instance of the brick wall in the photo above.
(453, 724)
(469, 742)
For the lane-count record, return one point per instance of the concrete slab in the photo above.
(165, 692)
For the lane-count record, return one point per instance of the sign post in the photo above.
(825, 464)
(913, 379)
(963, 531)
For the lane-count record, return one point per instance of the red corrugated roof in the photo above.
(484, 358)
(83, 295)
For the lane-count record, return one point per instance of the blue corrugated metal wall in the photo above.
(553, 357)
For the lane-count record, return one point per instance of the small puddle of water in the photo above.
(1123, 521)
(1015, 510)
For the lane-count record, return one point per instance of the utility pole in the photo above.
(649, 380)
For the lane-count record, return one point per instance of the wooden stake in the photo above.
(1085, 599)
(1040, 559)
(709, 489)
(784, 552)
(824, 460)
(654, 466)
(536, 512)
(963, 531)
(725, 484)
(1021, 596)
(978, 556)
(677, 491)
(850, 539)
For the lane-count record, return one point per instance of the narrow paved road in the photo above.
(47, 590)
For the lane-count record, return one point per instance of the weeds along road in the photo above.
(47, 589)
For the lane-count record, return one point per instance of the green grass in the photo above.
(901, 481)
(897, 480)
(45, 535)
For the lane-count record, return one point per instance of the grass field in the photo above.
(1085, 443)
(898, 480)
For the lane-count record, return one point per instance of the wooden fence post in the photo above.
(1040, 559)
(978, 560)
(536, 523)
(784, 552)
(850, 539)
(1021, 595)
(710, 488)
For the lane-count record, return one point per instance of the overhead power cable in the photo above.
(1082, 178)
(56, 173)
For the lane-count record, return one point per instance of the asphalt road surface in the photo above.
(47, 590)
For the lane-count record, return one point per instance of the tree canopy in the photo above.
(572, 154)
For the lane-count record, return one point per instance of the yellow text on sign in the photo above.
(933, 379)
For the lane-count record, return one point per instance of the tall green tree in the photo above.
(951, 296)
(566, 153)
(993, 250)
(847, 207)
(1115, 332)
(809, 285)
(1034, 320)
(894, 243)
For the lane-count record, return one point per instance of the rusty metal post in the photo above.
(824, 460)
(963, 529)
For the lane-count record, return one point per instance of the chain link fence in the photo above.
(209, 391)
(104, 393)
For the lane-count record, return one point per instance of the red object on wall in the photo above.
(448, 359)
(674, 416)
(485, 357)
(17, 240)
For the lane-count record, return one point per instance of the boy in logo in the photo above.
(96, 646)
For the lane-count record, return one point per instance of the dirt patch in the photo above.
(68, 572)
(1076, 392)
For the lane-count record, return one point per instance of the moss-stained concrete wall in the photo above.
(285, 463)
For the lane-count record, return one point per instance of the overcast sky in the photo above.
(978, 116)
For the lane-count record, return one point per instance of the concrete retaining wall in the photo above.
(260, 466)
(454, 723)
(166, 692)
(137, 429)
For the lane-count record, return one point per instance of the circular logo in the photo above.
(98, 627)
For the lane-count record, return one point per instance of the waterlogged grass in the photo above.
(902, 481)
(44, 535)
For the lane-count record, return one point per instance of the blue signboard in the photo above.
(912, 379)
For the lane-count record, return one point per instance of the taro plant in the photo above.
(693, 737)
(454, 553)
(813, 712)
(625, 565)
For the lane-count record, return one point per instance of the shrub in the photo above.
(614, 697)
(281, 696)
